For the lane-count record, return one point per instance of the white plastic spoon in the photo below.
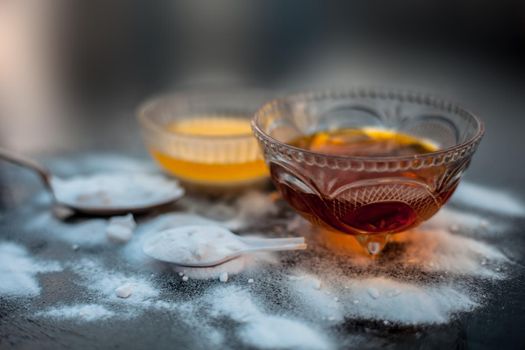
(168, 246)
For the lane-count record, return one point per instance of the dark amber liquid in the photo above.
(366, 142)
(379, 208)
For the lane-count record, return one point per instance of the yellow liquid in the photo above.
(211, 126)
(206, 172)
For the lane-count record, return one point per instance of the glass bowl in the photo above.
(367, 197)
(204, 138)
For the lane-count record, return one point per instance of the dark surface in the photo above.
(497, 324)
(115, 54)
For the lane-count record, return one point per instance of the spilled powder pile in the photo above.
(105, 282)
(488, 199)
(83, 232)
(250, 207)
(18, 271)
(120, 228)
(116, 190)
(81, 312)
(379, 298)
(241, 213)
(387, 299)
(458, 221)
(427, 276)
(259, 329)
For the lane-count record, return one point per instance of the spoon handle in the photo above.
(275, 248)
(274, 244)
(28, 163)
(272, 241)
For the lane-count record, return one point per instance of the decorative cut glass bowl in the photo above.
(369, 197)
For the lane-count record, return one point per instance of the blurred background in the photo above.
(73, 72)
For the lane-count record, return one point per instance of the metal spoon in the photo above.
(103, 210)
(253, 245)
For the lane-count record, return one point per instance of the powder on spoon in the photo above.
(133, 251)
(193, 244)
(116, 190)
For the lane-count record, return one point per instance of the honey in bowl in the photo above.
(364, 142)
(379, 162)
(396, 203)
(214, 150)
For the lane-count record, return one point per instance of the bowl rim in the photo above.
(374, 93)
(144, 117)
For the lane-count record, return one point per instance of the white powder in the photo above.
(105, 282)
(18, 271)
(488, 199)
(384, 298)
(88, 233)
(120, 228)
(193, 244)
(133, 252)
(261, 330)
(406, 303)
(314, 297)
(442, 251)
(426, 276)
(124, 291)
(82, 312)
(200, 244)
(116, 190)
(461, 221)
(223, 277)
(335, 283)
(232, 267)
(250, 207)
